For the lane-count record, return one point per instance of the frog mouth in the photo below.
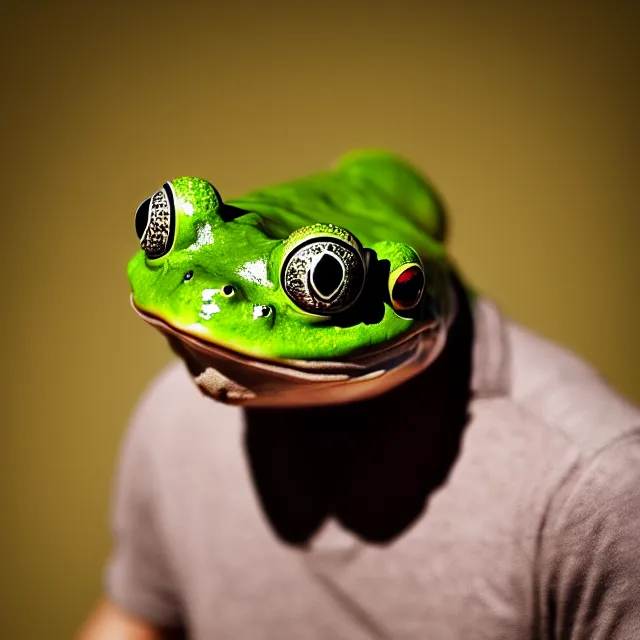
(237, 378)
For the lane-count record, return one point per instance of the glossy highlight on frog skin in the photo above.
(332, 266)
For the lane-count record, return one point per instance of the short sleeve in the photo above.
(138, 575)
(590, 550)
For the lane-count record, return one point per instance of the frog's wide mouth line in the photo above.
(365, 363)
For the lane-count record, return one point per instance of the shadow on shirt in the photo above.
(371, 465)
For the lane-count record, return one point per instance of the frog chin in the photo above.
(237, 378)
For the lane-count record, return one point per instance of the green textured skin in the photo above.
(380, 199)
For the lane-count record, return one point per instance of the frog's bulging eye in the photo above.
(156, 223)
(228, 290)
(323, 274)
(406, 285)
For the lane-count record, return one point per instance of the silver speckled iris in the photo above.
(323, 275)
(155, 222)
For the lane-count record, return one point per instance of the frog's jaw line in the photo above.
(361, 357)
(259, 384)
(240, 379)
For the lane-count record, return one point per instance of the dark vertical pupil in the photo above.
(142, 217)
(408, 286)
(327, 276)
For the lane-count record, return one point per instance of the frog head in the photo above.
(265, 313)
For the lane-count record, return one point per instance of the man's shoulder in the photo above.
(557, 387)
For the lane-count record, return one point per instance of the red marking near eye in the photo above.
(407, 288)
(409, 274)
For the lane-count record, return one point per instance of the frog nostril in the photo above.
(261, 311)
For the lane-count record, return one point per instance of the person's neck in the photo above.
(371, 464)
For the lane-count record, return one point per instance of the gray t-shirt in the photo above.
(533, 531)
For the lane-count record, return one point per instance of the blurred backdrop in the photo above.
(526, 119)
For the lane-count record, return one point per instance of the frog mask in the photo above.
(327, 289)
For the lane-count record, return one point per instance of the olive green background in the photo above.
(525, 118)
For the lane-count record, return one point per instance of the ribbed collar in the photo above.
(490, 375)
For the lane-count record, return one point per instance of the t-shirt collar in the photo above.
(490, 375)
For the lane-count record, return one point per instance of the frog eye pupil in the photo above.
(228, 290)
(327, 276)
(407, 289)
(142, 218)
(188, 275)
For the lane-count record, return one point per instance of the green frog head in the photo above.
(267, 283)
